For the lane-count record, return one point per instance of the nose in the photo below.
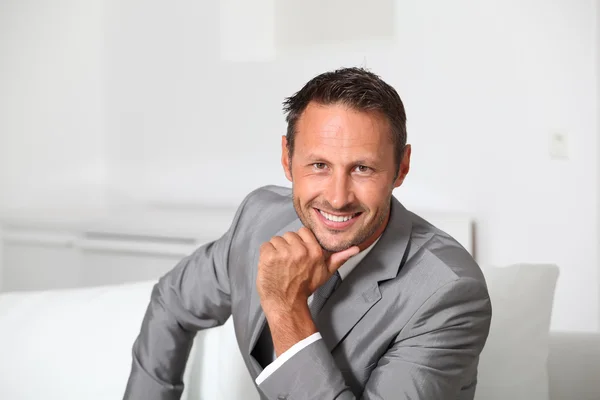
(339, 191)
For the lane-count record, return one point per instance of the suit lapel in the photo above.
(360, 290)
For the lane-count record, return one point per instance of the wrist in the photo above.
(279, 305)
(289, 325)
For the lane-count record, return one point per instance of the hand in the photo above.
(292, 267)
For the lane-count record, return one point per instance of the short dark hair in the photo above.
(357, 88)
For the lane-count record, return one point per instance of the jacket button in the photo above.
(282, 397)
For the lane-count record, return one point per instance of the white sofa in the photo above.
(75, 344)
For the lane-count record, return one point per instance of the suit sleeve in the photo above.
(194, 295)
(429, 359)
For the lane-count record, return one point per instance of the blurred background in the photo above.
(107, 103)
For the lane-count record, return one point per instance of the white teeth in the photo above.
(336, 218)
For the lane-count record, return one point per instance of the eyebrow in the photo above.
(315, 157)
(364, 161)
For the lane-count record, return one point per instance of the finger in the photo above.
(309, 238)
(293, 239)
(307, 235)
(296, 245)
(267, 250)
(311, 243)
(336, 260)
(278, 242)
(266, 246)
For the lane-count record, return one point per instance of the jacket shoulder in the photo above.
(272, 198)
(266, 210)
(441, 253)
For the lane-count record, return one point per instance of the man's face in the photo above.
(343, 172)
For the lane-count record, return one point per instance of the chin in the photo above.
(335, 246)
(335, 249)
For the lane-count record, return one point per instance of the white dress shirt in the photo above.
(344, 271)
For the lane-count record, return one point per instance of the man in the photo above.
(335, 289)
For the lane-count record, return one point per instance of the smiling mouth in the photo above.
(337, 218)
(337, 221)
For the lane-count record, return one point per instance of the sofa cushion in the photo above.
(69, 344)
(513, 364)
(574, 363)
(76, 344)
(216, 369)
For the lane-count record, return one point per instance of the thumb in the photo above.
(336, 260)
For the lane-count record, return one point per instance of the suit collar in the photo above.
(353, 262)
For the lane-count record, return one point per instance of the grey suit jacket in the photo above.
(409, 322)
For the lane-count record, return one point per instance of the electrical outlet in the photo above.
(558, 146)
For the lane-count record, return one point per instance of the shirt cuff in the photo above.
(286, 356)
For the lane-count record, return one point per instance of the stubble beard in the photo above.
(362, 235)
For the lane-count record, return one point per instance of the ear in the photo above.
(404, 166)
(285, 159)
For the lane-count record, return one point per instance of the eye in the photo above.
(362, 168)
(319, 165)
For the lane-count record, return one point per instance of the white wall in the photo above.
(51, 103)
(484, 82)
(598, 131)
